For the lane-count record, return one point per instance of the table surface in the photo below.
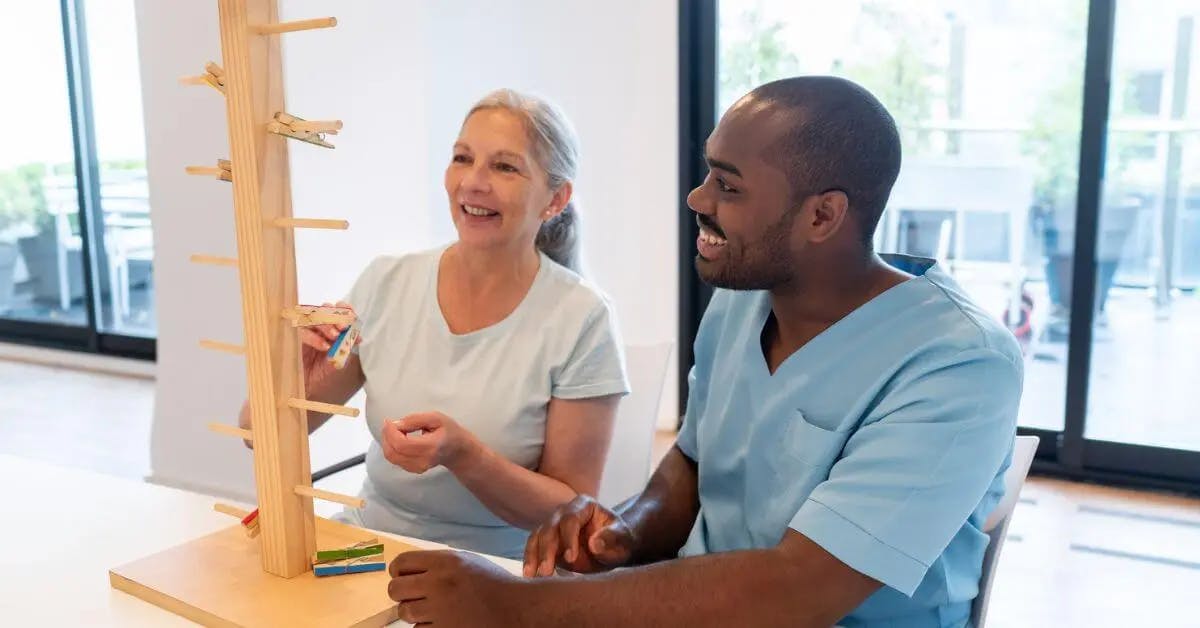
(63, 529)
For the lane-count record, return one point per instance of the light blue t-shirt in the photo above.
(561, 341)
(884, 440)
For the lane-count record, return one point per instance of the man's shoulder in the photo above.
(962, 325)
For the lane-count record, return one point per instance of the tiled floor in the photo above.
(1077, 555)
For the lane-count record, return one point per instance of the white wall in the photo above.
(400, 75)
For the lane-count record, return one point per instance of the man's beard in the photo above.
(766, 266)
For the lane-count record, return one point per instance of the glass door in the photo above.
(42, 281)
(1142, 414)
(991, 137)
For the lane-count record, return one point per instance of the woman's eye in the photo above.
(462, 159)
(503, 167)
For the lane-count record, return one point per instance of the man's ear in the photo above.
(558, 202)
(826, 213)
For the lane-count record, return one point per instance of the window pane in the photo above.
(41, 268)
(990, 133)
(1145, 357)
(124, 259)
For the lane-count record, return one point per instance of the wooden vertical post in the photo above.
(267, 269)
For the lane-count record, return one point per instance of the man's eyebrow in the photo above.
(721, 165)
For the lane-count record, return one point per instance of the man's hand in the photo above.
(581, 536)
(441, 442)
(448, 588)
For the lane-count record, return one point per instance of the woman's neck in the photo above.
(494, 269)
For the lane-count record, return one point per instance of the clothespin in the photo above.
(309, 315)
(213, 76)
(361, 557)
(339, 351)
(250, 523)
(313, 131)
(369, 547)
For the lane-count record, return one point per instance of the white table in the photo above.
(63, 529)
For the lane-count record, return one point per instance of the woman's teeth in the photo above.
(711, 238)
(478, 211)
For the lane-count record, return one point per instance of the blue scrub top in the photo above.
(884, 440)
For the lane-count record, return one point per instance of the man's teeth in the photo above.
(478, 211)
(711, 238)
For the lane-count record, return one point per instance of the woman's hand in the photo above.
(316, 341)
(422, 441)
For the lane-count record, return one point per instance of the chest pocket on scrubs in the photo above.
(802, 461)
(811, 444)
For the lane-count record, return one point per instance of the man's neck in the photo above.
(807, 306)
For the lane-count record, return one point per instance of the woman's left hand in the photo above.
(441, 441)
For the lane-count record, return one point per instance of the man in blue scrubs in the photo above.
(849, 420)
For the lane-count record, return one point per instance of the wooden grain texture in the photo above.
(217, 580)
(267, 271)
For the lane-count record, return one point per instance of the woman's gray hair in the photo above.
(556, 149)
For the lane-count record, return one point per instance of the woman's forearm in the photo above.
(521, 497)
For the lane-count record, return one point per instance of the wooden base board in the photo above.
(217, 580)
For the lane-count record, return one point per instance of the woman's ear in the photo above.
(558, 202)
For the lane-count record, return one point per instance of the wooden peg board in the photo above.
(217, 580)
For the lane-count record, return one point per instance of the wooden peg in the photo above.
(213, 260)
(231, 430)
(317, 406)
(291, 27)
(223, 170)
(223, 347)
(308, 491)
(232, 511)
(311, 223)
(288, 125)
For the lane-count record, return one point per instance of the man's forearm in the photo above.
(663, 515)
(746, 588)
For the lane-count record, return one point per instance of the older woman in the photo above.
(492, 370)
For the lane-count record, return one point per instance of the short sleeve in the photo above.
(366, 285)
(702, 350)
(686, 440)
(912, 475)
(596, 365)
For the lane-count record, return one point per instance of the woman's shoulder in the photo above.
(574, 293)
(391, 266)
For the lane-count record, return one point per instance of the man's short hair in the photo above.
(842, 139)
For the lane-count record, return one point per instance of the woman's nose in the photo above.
(476, 179)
